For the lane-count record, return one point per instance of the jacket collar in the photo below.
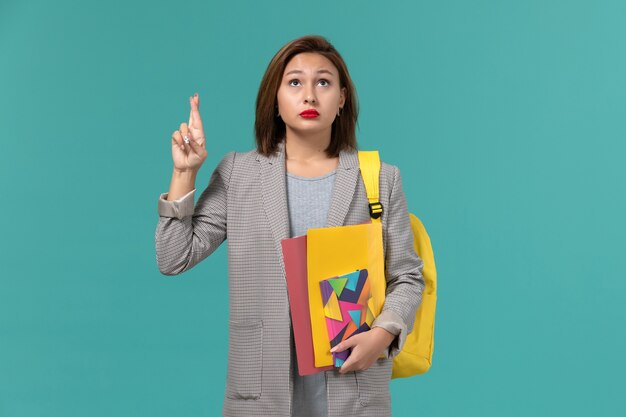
(272, 170)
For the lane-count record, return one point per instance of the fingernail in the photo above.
(196, 95)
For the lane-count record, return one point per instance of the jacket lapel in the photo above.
(274, 196)
(344, 188)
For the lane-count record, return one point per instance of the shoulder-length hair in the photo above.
(270, 130)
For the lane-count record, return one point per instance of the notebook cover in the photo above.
(333, 251)
(295, 258)
(346, 311)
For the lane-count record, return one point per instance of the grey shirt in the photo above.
(308, 201)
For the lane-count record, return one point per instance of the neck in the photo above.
(306, 148)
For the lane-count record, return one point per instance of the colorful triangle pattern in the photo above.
(332, 309)
(347, 308)
(338, 284)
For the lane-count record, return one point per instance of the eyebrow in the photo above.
(322, 71)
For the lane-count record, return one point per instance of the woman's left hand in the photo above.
(366, 348)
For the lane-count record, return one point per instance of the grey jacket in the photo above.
(245, 202)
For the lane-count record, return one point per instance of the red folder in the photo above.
(294, 256)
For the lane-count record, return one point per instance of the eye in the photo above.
(325, 81)
(290, 82)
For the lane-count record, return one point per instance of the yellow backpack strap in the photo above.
(369, 161)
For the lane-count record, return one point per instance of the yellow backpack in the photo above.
(417, 352)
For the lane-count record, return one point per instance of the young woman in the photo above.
(304, 173)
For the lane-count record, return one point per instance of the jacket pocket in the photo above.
(245, 360)
(373, 383)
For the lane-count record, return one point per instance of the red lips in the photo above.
(310, 113)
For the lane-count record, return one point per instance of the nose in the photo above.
(309, 96)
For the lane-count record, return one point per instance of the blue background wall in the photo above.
(506, 119)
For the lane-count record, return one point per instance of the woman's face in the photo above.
(310, 82)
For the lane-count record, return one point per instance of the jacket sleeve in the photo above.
(405, 282)
(185, 236)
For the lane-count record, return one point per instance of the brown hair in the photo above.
(270, 130)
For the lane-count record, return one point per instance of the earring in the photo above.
(339, 112)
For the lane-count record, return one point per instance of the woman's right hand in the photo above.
(188, 157)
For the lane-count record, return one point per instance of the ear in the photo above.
(342, 97)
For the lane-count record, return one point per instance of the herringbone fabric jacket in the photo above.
(245, 203)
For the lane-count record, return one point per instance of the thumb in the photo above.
(194, 145)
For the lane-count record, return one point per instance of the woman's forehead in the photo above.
(310, 62)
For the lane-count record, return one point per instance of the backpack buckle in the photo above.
(376, 210)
